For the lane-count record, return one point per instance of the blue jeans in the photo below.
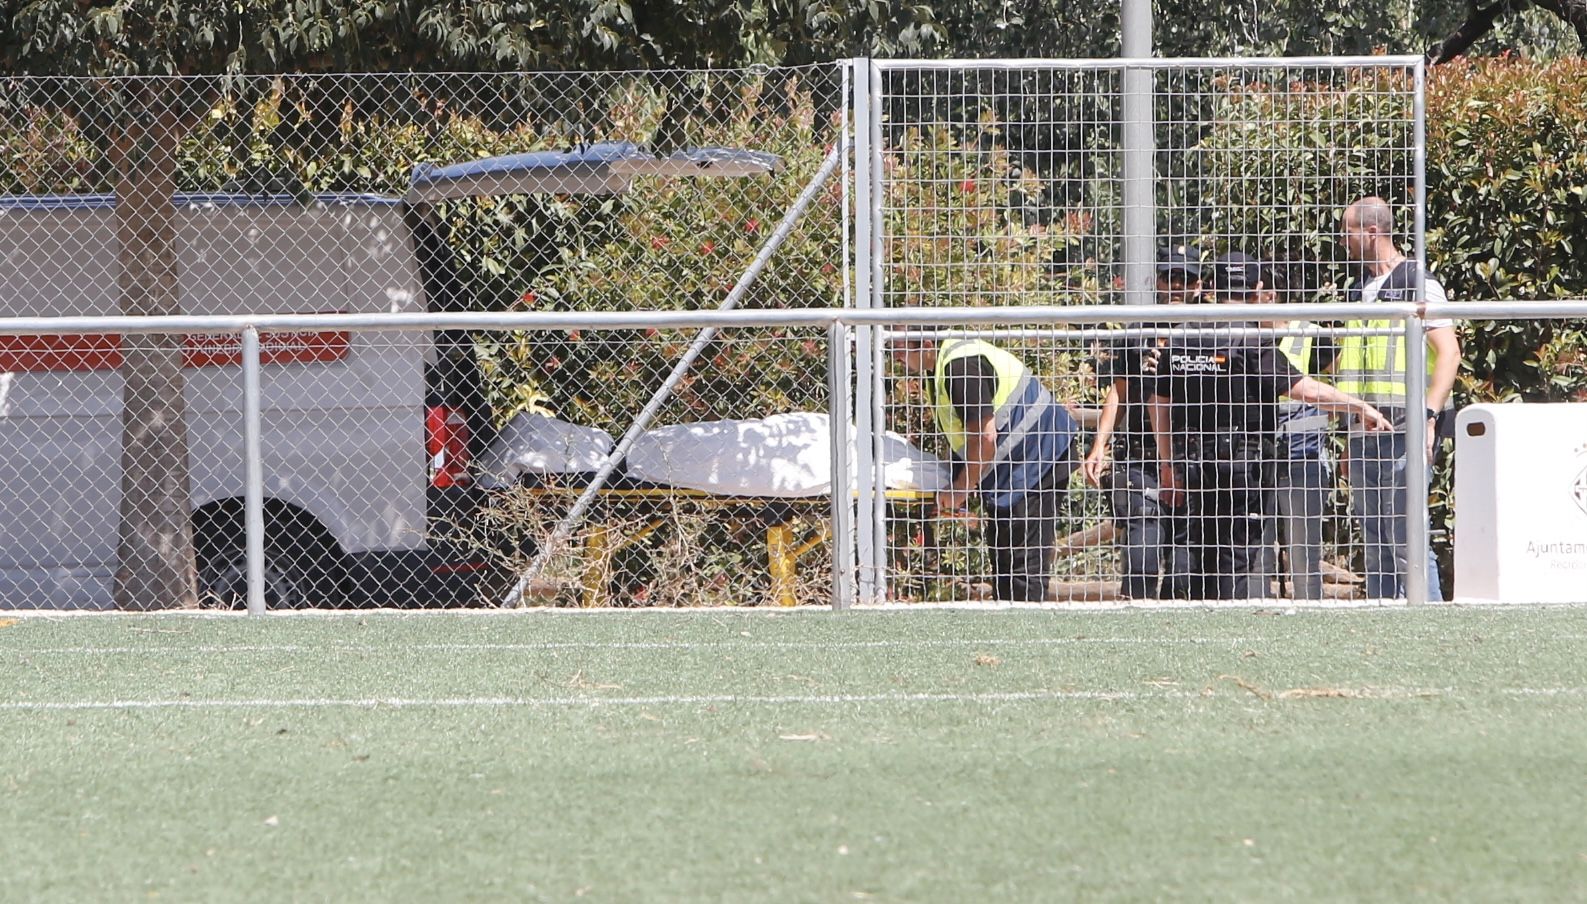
(1378, 495)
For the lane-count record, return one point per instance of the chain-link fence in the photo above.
(739, 492)
(1238, 492)
(1079, 183)
(1010, 182)
(410, 450)
(390, 195)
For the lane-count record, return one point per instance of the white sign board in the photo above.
(1521, 504)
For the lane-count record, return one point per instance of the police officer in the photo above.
(1148, 542)
(1012, 447)
(1215, 415)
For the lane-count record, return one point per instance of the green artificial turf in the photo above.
(1428, 754)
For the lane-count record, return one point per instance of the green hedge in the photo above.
(1507, 220)
(1507, 216)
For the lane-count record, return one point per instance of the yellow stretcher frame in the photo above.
(784, 546)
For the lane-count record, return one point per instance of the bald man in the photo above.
(1373, 368)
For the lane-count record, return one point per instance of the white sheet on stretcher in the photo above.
(785, 455)
(533, 443)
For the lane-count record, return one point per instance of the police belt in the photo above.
(1134, 450)
(1227, 447)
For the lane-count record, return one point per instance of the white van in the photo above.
(367, 437)
(346, 459)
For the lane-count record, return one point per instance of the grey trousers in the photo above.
(1378, 494)
(1300, 494)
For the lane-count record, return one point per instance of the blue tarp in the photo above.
(207, 199)
(603, 168)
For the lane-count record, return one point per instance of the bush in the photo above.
(1507, 216)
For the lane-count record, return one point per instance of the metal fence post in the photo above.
(253, 466)
(842, 476)
(1139, 141)
(878, 286)
(840, 376)
(1418, 547)
(865, 427)
(1416, 464)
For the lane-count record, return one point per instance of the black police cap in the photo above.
(1184, 258)
(1236, 272)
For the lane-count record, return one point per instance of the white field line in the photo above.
(459, 647)
(594, 702)
(1545, 691)
(775, 700)
(726, 644)
(588, 702)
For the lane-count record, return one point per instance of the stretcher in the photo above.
(787, 539)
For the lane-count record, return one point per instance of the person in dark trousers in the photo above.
(1301, 478)
(1152, 551)
(1375, 368)
(1214, 410)
(1012, 447)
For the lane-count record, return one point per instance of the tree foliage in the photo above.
(166, 37)
(162, 37)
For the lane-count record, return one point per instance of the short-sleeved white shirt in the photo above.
(1434, 292)
(1433, 288)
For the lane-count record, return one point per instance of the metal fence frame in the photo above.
(857, 333)
(844, 329)
(870, 230)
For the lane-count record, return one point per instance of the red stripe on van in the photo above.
(60, 352)
(222, 349)
(88, 352)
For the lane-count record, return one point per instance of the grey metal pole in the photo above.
(878, 391)
(781, 317)
(840, 378)
(842, 477)
(253, 470)
(864, 335)
(1506, 310)
(1139, 148)
(1415, 513)
(1417, 539)
(1163, 63)
(565, 527)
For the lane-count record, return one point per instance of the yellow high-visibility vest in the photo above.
(1372, 368)
(1013, 379)
(1298, 350)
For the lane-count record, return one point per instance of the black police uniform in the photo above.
(1223, 396)
(1152, 543)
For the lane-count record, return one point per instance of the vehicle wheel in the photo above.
(299, 569)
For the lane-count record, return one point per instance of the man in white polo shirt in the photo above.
(1373, 368)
